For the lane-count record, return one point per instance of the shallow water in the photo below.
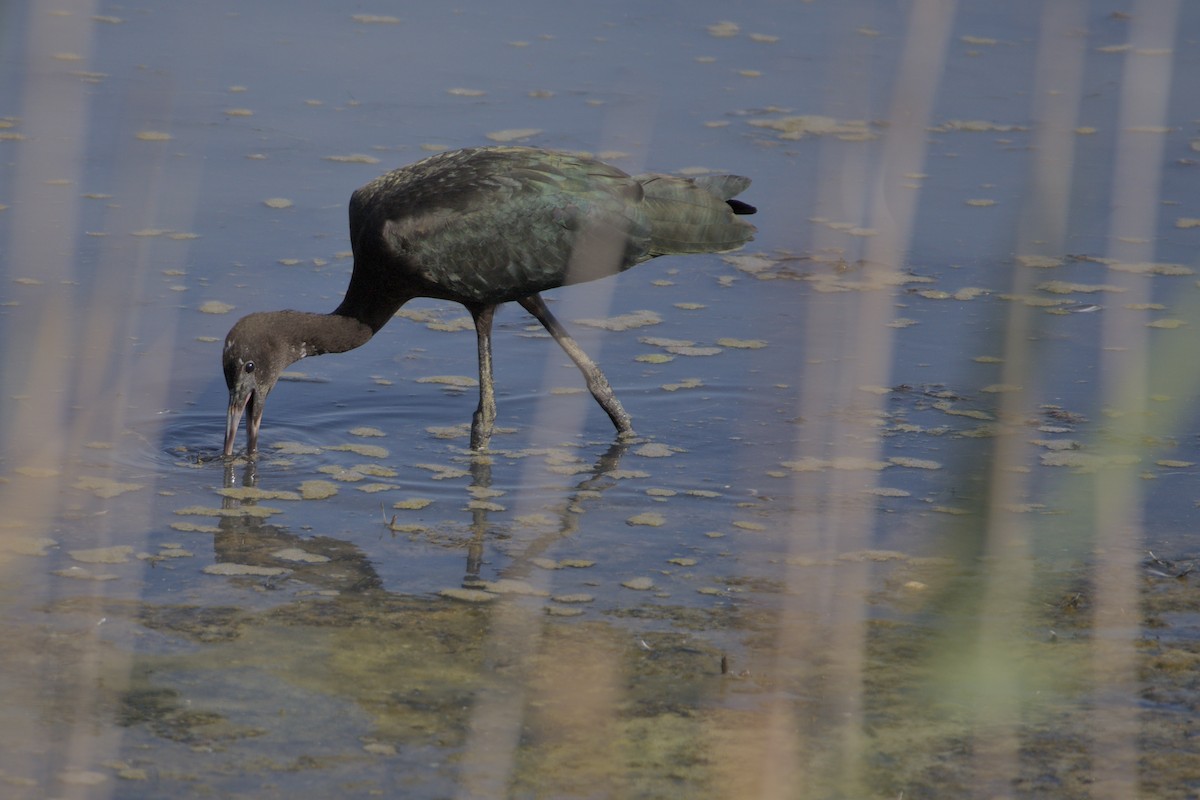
(911, 512)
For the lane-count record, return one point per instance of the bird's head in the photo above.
(253, 358)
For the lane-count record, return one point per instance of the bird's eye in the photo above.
(249, 367)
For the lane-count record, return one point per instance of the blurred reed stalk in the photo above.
(1007, 597)
(81, 349)
(516, 637)
(1119, 536)
(41, 371)
(820, 743)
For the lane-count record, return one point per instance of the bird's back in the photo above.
(492, 224)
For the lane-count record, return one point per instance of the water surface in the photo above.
(911, 511)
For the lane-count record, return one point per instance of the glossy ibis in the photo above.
(484, 226)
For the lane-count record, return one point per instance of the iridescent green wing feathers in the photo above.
(494, 224)
(497, 224)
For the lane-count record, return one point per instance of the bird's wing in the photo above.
(509, 222)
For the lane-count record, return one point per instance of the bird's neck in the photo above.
(370, 300)
(308, 334)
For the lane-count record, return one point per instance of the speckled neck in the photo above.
(308, 334)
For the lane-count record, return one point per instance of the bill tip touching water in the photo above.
(485, 226)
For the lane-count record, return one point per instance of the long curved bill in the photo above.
(238, 405)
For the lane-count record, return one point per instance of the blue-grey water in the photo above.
(912, 508)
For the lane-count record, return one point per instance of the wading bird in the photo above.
(484, 226)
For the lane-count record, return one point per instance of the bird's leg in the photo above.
(485, 415)
(596, 382)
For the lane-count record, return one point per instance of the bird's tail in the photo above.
(695, 215)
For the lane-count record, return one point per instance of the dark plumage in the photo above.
(484, 226)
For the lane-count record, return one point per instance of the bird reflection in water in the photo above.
(338, 565)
